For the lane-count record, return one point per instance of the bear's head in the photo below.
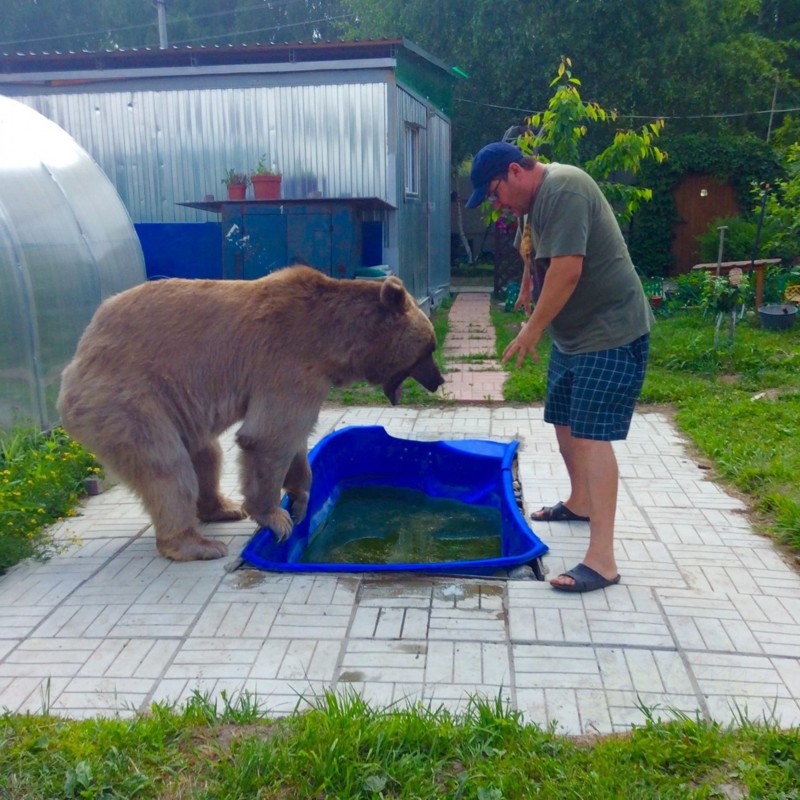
(409, 352)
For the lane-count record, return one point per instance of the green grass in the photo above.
(738, 401)
(343, 749)
(41, 478)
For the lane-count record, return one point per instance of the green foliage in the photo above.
(690, 60)
(109, 24)
(41, 478)
(262, 168)
(684, 292)
(740, 239)
(556, 134)
(722, 294)
(782, 217)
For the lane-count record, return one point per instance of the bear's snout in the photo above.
(425, 372)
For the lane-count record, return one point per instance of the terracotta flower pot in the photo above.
(237, 191)
(266, 187)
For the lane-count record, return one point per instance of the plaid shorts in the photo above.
(594, 394)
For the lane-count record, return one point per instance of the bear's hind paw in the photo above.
(189, 545)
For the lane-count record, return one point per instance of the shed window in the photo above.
(412, 161)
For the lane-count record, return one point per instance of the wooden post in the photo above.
(759, 269)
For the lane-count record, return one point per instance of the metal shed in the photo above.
(362, 119)
(66, 243)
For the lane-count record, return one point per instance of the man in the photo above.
(589, 298)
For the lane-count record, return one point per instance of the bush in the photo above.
(740, 239)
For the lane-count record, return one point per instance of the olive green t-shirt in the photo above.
(571, 216)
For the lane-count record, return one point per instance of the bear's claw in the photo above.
(278, 521)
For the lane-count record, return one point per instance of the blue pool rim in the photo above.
(475, 471)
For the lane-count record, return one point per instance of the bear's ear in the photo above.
(393, 295)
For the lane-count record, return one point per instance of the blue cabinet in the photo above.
(260, 236)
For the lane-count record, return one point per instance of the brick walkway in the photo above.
(474, 374)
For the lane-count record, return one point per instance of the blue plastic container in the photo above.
(471, 471)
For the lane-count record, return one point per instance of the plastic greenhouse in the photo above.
(66, 244)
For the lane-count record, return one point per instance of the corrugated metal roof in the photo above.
(218, 55)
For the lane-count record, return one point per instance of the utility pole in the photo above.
(161, 7)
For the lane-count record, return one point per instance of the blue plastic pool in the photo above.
(470, 471)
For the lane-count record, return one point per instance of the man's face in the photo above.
(509, 191)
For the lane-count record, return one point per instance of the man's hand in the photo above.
(525, 343)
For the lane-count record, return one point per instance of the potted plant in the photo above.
(237, 183)
(266, 182)
(654, 289)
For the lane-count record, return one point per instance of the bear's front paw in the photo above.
(278, 521)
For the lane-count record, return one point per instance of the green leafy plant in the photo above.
(555, 134)
(740, 239)
(782, 209)
(234, 178)
(263, 169)
(723, 294)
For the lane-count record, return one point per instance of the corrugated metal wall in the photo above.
(412, 217)
(439, 207)
(164, 147)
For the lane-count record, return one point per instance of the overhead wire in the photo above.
(620, 114)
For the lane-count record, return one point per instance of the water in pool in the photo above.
(391, 525)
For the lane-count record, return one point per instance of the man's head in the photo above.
(490, 164)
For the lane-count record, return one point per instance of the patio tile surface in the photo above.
(706, 620)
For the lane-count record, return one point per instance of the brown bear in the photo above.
(164, 368)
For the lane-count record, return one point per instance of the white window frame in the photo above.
(412, 158)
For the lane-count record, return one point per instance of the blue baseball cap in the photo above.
(491, 161)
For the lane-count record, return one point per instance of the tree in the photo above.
(556, 134)
(30, 26)
(685, 59)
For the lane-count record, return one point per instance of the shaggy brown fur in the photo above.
(165, 367)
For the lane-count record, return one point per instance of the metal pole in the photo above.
(161, 8)
(772, 110)
(721, 229)
(765, 189)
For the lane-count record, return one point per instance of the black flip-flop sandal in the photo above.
(557, 513)
(586, 580)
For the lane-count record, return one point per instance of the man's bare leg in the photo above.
(595, 465)
(578, 500)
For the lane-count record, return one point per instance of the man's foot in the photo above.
(557, 513)
(584, 579)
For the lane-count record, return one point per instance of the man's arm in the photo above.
(559, 283)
